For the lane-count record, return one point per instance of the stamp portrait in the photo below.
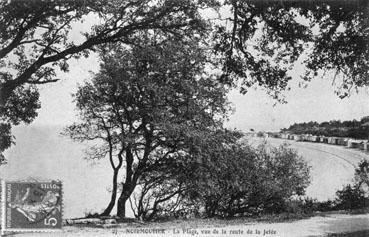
(31, 206)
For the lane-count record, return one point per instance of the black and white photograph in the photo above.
(184, 118)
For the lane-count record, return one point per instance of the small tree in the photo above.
(355, 196)
(97, 127)
(350, 197)
(362, 174)
(149, 102)
(158, 193)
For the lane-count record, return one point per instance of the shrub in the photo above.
(242, 180)
(326, 206)
(226, 179)
(362, 174)
(308, 206)
(354, 196)
(351, 197)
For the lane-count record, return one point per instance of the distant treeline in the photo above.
(335, 128)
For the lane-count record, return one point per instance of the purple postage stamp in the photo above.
(31, 206)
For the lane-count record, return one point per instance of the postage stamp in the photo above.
(31, 206)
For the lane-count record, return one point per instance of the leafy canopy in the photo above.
(264, 39)
(149, 105)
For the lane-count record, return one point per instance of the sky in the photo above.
(256, 110)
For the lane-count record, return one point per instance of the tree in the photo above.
(6, 140)
(159, 192)
(362, 174)
(267, 37)
(355, 196)
(264, 41)
(170, 189)
(335, 128)
(95, 128)
(35, 41)
(351, 197)
(150, 101)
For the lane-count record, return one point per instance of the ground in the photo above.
(322, 225)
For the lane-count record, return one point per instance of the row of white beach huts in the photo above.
(339, 141)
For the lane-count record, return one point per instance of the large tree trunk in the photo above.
(121, 212)
(128, 186)
(113, 194)
(127, 191)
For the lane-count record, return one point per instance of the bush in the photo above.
(351, 197)
(241, 180)
(306, 206)
(362, 174)
(157, 195)
(224, 178)
(326, 206)
(354, 196)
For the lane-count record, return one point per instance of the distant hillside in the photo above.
(335, 128)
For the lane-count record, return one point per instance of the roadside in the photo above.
(333, 224)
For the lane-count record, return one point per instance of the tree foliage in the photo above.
(151, 102)
(362, 175)
(356, 195)
(37, 40)
(258, 44)
(6, 139)
(334, 128)
(237, 179)
(351, 197)
(169, 190)
(159, 192)
(265, 39)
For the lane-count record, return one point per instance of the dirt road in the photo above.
(329, 225)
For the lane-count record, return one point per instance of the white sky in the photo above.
(317, 102)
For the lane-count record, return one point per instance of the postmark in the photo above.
(31, 206)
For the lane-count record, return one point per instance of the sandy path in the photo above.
(315, 226)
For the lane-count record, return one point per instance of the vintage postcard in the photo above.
(184, 118)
